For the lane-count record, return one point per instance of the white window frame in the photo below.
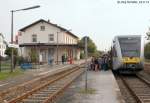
(42, 28)
(51, 37)
(34, 38)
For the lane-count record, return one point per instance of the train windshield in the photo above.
(130, 46)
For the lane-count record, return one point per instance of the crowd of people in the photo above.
(101, 63)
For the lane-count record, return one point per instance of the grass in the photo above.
(147, 60)
(88, 91)
(5, 74)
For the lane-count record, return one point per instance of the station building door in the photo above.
(70, 53)
(43, 56)
(51, 54)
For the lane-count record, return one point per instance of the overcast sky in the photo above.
(99, 19)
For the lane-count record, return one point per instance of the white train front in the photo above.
(127, 53)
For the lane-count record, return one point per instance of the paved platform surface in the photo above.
(34, 73)
(103, 85)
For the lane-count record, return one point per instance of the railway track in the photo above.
(46, 92)
(138, 87)
(126, 95)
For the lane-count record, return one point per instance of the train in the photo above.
(127, 54)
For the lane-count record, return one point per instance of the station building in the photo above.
(3, 45)
(49, 40)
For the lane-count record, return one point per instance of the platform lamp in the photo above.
(86, 56)
(12, 12)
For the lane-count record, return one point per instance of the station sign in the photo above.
(13, 45)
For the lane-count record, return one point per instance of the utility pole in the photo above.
(86, 63)
(12, 51)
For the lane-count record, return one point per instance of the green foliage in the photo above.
(148, 35)
(7, 74)
(147, 60)
(33, 56)
(147, 51)
(20, 60)
(82, 55)
(8, 51)
(90, 45)
(97, 54)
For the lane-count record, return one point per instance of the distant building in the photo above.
(3, 45)
(46, 39)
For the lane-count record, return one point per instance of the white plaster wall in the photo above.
(42, 36)
(70, 39)
(3, 47)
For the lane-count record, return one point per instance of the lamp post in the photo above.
(86, 66)
(58, 42)
(12, 24)
(57, 48)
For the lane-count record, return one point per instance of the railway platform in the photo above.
(103, 84)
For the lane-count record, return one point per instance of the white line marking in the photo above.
(3, 84)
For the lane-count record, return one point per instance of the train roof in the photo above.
(121, 36)
(127, 36)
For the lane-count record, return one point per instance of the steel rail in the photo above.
(143, 79)
(19, 98)
(29, 85)
(131, 91)
(53, 97)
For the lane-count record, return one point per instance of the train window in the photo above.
(130, 47)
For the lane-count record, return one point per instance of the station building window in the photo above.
(51, 37)
(42, 28)
(34, 38)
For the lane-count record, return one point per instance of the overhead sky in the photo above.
(101, 20)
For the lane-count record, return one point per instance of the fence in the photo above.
(5, 63)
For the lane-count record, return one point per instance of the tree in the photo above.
(92, 49)
(33, 56)
(148, 34)
(147, 46)
(98, 53)
(8, 51)
(147, 51)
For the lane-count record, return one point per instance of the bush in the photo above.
(147, 51)
(82, 56)
(20, 60)
(33, 56)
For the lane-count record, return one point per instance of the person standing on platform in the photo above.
(40, 59)
(100, 63)
(63, 59)
(105, 63)
(96, 64)
(92, 64)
